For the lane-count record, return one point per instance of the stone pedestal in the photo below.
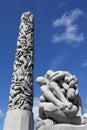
(63, 127)
(19, 120)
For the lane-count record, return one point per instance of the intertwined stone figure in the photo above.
(60, 101)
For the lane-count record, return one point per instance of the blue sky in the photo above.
(60, 42)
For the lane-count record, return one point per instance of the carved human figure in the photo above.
(21, 93)
(60, 101)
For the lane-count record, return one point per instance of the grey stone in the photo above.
(19, 120)
(19, 115)
(60, 101)
(64, 127)
(21, 93)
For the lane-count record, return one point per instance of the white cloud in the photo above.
(61, 4)
(35, 107)
(1, 114)
(85, 115)
(56, 62)
(70, 34)
(85, 110)
(84, 64)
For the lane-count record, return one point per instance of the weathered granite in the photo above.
(19, 120)
(60, 101)
(64, 127)
(21, 93)
(19, 115)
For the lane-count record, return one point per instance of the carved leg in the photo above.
(51, 98)
(52, 112)
(56, 88)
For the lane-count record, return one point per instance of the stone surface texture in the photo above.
(19, 120)
(60, 101)
(64, 127)
(21, 93)
(19, 115)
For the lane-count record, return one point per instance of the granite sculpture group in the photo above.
(60, 106)
(60, 101)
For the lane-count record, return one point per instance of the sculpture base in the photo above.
(19, 120)
(63, 127)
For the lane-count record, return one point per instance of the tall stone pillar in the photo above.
(19, 115)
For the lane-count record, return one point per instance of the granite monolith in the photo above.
(19, 115)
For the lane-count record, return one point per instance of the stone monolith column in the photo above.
(19, 115)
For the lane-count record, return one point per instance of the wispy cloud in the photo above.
(61, 4)
(85, 109)
(56, 62)
(35, 107)
(85, 112)
(70, 34)
(1, 114)
(84, 64)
